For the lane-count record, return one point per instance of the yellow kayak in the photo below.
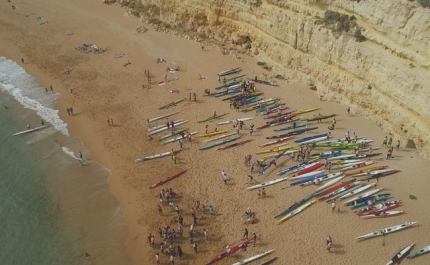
(209, 134)
(303, 111)
(296, 211)
(273, 150)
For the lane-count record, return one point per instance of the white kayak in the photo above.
(330, 183)
(323, 178)
(176, 139)
(373, 172)
(255, 257)
(363, 195)
(417, 253)
(353, 192)
(210, 139)
(401, 254)
(162, 126)
(161, 117)
(267, 183)
(382, 214)
(387, 230)
(32, 130)
(278, 141)
(307, 175)
(288, 152)
(232, 121)
(165, 128)
(343, 191)
(349, 165)
(261, 102)
(315, 140)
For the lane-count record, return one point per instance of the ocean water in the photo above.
(52, 209)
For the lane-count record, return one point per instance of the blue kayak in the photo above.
(298, 182)
(290, 127)
(285, 171)
(310, 138)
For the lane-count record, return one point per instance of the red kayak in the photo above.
(335, 187)
(161, 182)
(277, 115)
(309, 169)
(331, 194)
(382, 209)
(232, 250)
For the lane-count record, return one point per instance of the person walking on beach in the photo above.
(329, 242)
(348, 110)
(22, 60)
(206, 234)
(390, 141)
(254, 237)
(389, 152)
(51, 88)
(398, 145)
(245, 235)
(157, 258)
(80, 155)
(333, 123)
(180, 253)
(384, 143)
(71, 111)
(333, 206)
(181, 220)
(206, 128)
(172, 259)
(195, 246)
(181, 144)
(195, 97)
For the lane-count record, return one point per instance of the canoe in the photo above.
(364, 195)
(322, 178)
(176, 139)
(161, 182)
(382, 214)
(291, 133)
(287, 170)
(295, 205)
(231, 139)
(296, 211)
(172, 134)
(273, 150)
(400, 255)
(161, 117)
(382, 209)
(209, 134)
(377, 206)
(353, 192)
(303, 111)
(218, 137)
(267, 183)
(278, 141)
(304, 139)
(233, 249)
(235, 144)
(316, 118)
(171, 104)
(371, 200)
(32, 130)
(330, 183)
(290, 127)
(165, 128)
(160, 155)
(419, 252)
(255, 257)
(213, 117)
(333, 188)
(150, 129)
(232, 121)
(387, 230)
(338, 191)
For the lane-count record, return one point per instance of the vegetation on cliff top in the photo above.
(339, 23)
(424, 3)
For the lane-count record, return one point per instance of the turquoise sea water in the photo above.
(52, 209)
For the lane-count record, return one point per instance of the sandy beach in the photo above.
(103, 87)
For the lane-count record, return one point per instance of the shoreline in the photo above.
(131, 192)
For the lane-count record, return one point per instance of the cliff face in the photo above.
(371, 55)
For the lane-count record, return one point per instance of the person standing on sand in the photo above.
(22, 60)
(194, 247)
(384, 143)
(398, 145)
(333, 206)
(189, 97)
(348, 110)
(389, 152)
(180, 144)
(111, 122)
(206, 234)
(172, 259)
(254, 237)
(390, 141)
(51, 88)
(329, 242)
(245, 235)
(333, 123)
(157, 258)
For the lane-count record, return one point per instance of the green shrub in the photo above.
(202, 35)
(424, 3)
(261, 63)
(358, 36)
(281, 77)
(314, 88)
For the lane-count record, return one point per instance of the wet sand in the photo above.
(103, 88)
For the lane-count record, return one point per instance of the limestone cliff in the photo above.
(371, 55)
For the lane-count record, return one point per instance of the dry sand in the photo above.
(104, 88)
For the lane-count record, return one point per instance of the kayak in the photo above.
(234, 77)
(275, 123)
(232, 121)
(377, 206)
(267, 112)
(234, 138)
(213, 117)
(308, 169)
(279, 115)
(278, 141)
(228, 91)
(370, 200)
(292, 133)
(235, 144)
(269, 261)
(287, 170)
(161, 182)
(146, 158)
(209, 134)
(400, 255)
(290, 127)
(333, 188)
(269, 103)
(316, 118)
(161, 117)
(346, 162)
(272, 162)
(339, 190)
(382, 214)
(364, 195)
(330, 183)
(296, 211)
(308, 175)
(382, 209)
(353, 192)
(255, 257)
(284, 153)
(162, 126)
(257, 112)
(267, 183)
(308, 179)
(240, 96)
(380, 175)
(218, 137)
(387, 230)
(419, 252)
(32, 130)
(297, 169)
(263, 82)
(374, 172)
(304, 139)
(346, 166)
(172, 134)
(273, 150)
(233, 249)
(165, 128)
(227, 85)
(295, 205)
(358, 171)
(171, 104)
(176, 139)
(304, 111)
(317, 179)
(231, 71)
(341, 145)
